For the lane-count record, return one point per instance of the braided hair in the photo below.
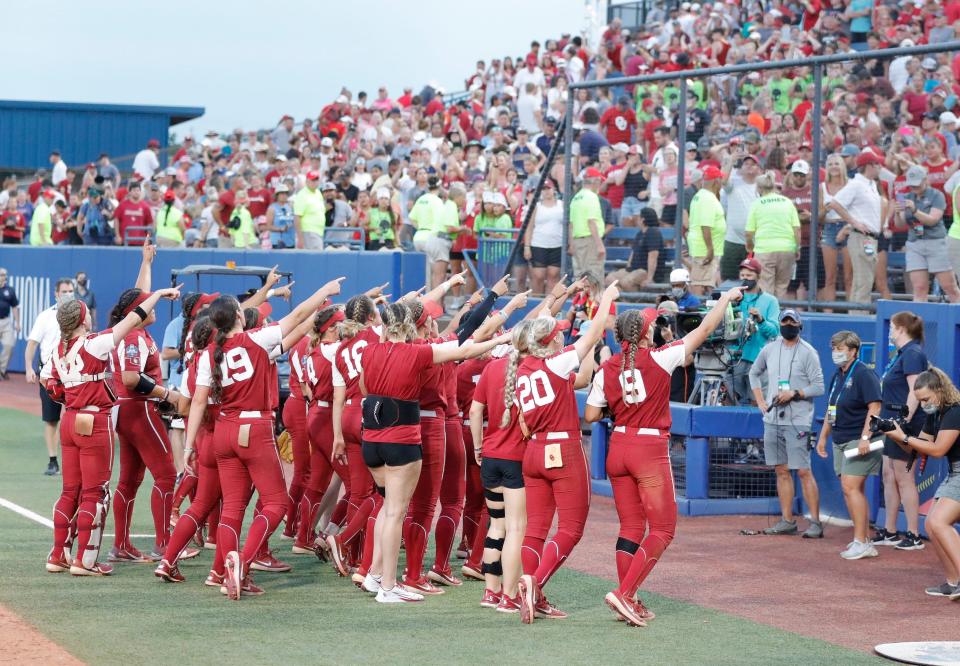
(416, 311)
(627, 331)
(319, 319)
(398, 322)
(202, 331)
(126, 299)
(223, 315)
(519, 340)
(359, 311)
(538, 329)
(189, 301)
(69, 318)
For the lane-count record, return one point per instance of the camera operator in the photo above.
(759, 311)
(791, 370)
(940, 401)
(666, 331)
(680, 290)
(853, 397)
(899, 484)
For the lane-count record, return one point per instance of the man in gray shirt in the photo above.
(921, 211)
(739, 193)
(785, 379)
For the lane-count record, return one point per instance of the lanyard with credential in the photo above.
(889, 367)
(835, 395)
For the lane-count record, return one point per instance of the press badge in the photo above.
(832, 415)
(784, 385)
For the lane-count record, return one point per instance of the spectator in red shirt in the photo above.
(14, 223)
(259, 197)
(133, 211)
(619, 121)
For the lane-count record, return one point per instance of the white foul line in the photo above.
(46, 522)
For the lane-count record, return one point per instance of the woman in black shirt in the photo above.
(940, 437)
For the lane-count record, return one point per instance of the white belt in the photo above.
(88, 408)
(467, 423)
(553, 435)
(322, 403)
(653, 432)
(253, 415)
(432, 413)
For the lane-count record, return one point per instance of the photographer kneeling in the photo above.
(940, 400)
(853, 397)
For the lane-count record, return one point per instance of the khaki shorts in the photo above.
(436, 248)
(703, 276)
(312, 240)
(629, 280)
(868, 465)
(585, 257)
(927, 255)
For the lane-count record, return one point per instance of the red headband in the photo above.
(141, 297)
(337, 317)
(560, 325)
(205, 299)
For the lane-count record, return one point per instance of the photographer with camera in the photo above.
(853, 399)
(940, 401)
(790, 369)
(666, 330)
(899, 483)
(759, 312)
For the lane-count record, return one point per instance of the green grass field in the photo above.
(312, 616)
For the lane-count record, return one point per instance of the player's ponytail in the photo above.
(321, 323)
(223, 315)
(119, 310)
(359, 311)
(632, 326)
(398, 323)
(69, 318)
(539, 328)
(202, 331)
(519, 339)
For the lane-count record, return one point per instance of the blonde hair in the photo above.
(398, 323)
(69, 318)
(843, 169)
(936, 380)
(766, 183)
(519, 337)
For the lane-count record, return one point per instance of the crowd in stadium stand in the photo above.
(890, 136)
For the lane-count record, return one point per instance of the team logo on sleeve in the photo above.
(132, 351)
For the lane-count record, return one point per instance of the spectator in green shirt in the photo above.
(41, 224)
(381, 222)
(310, 214)
(586, 227)
(780, 91)
(706, 232)
(431, 237)
(773, 236)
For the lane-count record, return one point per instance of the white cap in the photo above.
(948, 118)
(620, 147)
(281, 188)
(383, 193)
(679, 275)
(685, 5)
(419, 136)
(346, 120)
(800, 166)
(326, 142)
(695, 7)
(498, 198)
(510, 90)
(908, 42)
(487, 197)
(342, 99)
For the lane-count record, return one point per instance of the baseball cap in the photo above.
(790, 313)
(712, 173)
(868, 157)
(800, 166)
(591, 172)
(313, 175)
(264, 310)
(679, 275)
(948, 118)
(690, 146)
(931, 115)
(751, 264)
(153, 143)
(849, 150)
(915, 175)
(205, 299)
(49, 193)
(281, 189)
(383, 193)
(929, 63)
(326, 187)
(169, 196)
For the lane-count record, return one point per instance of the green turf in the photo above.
(312, 616)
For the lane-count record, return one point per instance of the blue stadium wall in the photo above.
(30, 130)
(34, 271)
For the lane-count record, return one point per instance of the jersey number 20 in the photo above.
(534, 390)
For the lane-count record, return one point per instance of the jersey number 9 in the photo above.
(534, 390)
(631, 383)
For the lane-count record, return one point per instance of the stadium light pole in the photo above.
(817, 111)
(567, 186)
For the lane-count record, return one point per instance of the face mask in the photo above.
(82, 283)
(789, 331)
(749, 285)
(64, 298)
(677, 293)
(931, 409)
(839, 357)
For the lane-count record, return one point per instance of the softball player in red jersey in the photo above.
(78, 378)
(392, 433)
(235, 370)
(360, 329)
(207, 499)
(555, 470)
(635, 386)
(318, 367)
(295, 420)
(144, 443)
(468, 374)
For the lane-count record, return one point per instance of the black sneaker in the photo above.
(885, 538)
(52, 469)
(910, 542)
(942, 590)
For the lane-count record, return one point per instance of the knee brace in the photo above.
(382, 491)
(493, 568)
(492, 496)
(493, 544)
(627, 546)
(497, 513)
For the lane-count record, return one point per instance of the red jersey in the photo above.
(349, 362)
(616, 123)
(318, 365)
(136, 353)
(395, 370)
(297, 376)
(259, 201)
(468, 374)
(448, 372)
(248, 378)
(14, 225)
(545, 392)
(81, 366)
(503, 443)
(433, 395)
(130, 214)
(613, 193)
(937, 178)
(639, 398)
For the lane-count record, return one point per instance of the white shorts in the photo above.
(436, 248)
